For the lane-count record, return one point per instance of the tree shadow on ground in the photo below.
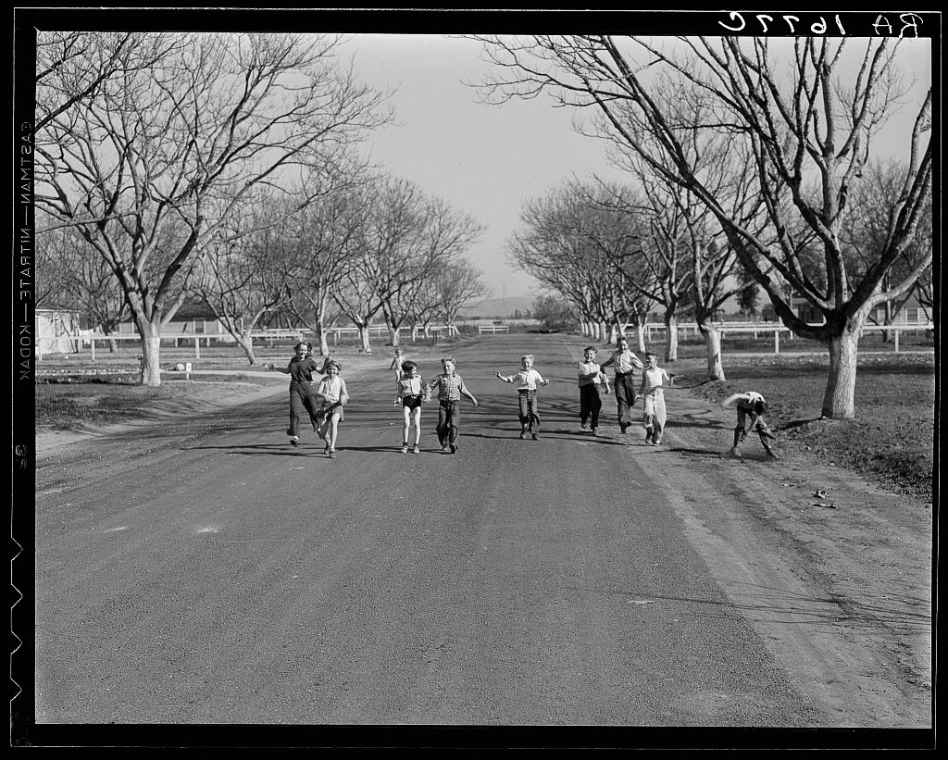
(258, 449)
(692, 421)
(782, 606)
(793, 424)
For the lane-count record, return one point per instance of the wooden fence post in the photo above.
(92, 344)
(897, 333)
(197, 347)
(776, 340)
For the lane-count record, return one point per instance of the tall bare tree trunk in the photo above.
(886, 320)
(839, 398)
(364, 338)
(671, 337)
(151, 344)
(393, 333)
(640, 332)
(712, 343)
(245, 341)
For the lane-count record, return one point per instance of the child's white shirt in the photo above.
(654, 379)
(587, 368)
(333, 389)
(526, 379)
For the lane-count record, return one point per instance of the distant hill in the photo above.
(499, 307)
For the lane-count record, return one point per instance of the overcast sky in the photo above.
(487, 160)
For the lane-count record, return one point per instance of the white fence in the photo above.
(492, 329)
(86, 339)
(765, 328)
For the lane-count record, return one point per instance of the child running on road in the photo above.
(527, 380)
(750, 406)
(653, 378)
(302, 397)
(450, 388)
(625, 363)
(334, 395)
(591, 380)
(410, 392)
(398, 359)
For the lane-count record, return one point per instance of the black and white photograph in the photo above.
(480, 380)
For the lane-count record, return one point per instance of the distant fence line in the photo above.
(755, 328)
(88, 339)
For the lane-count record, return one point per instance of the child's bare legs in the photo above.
(329, 430)
(333, 431)
(416, 415)
(648, 418)
(406, 426)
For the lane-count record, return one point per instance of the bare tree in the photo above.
(240, 268)
(320, 243)
(405, 239)
(72, 65)
(442, 236)
(69, 274)
(810, 133)
(457, 285)
(176, 138)
(863, 236)
(580, 244)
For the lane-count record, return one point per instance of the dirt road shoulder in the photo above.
(851, 562)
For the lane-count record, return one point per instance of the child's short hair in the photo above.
(527, 356)
(299, 345)
(408, 365)
(651, 354)
(445, 359)
(334, 363)
(760, 407)
(590, 348)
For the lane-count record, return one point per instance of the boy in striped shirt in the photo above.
(450, 387)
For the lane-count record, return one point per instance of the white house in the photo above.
(57, 331)
(193, 318)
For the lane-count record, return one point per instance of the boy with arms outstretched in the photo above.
(527, 380)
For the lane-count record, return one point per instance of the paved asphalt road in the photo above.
(207, 572)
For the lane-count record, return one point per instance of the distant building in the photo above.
(57, 331)
(911, 313)
(194, 318)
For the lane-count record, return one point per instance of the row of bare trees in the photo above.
(741, 149)
(222, 164)
(359, 247)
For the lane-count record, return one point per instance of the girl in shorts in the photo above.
(410, 392)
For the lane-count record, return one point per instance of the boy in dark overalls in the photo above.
(302, 396)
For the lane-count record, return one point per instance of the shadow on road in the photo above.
(278, 449)
(785, 607)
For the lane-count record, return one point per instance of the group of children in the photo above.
(324, 401)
